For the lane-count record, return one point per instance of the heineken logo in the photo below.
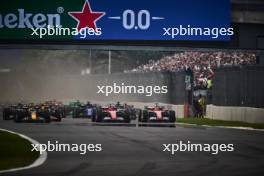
(22, 19)
(86, 18)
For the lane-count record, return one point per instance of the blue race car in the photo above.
(85, 111)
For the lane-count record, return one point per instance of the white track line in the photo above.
(41, 159)
(228, 127)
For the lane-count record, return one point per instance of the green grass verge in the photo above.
(210, 122)
(15, 151)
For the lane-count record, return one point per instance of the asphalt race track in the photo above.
(131, 150)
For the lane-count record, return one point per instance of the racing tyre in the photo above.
(99, 116)
(127, 117)
(145, 116)
(47, 120)
(59, 119)
(172, 116)
(64, 113)
(17, 118)
(60, 116)
(5, 114)
(139, 113)
(73, 114)
(94, 116)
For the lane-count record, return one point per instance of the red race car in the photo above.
(112, 113)
(157, 114)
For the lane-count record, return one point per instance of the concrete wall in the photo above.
(232, 113)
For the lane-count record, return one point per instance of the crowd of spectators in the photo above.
(201, 63)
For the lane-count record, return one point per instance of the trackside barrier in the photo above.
(235, 113)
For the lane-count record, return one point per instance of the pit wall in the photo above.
(232, 113)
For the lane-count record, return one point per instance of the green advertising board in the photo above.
(19, 17)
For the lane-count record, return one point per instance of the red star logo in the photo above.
(87, 18)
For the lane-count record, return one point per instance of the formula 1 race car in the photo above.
(133, 112)
(69, 109)
(10, 111)
(157, 114)
(112, 113)
(56, 109)
(85, 111)
(32, 113)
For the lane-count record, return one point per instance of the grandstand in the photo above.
(201, 63)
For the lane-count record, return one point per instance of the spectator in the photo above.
(201, 63)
